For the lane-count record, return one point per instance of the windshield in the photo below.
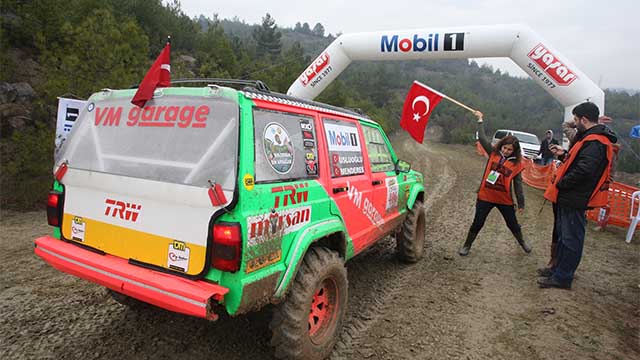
(500, 134)
(179, 139)
(527, 138)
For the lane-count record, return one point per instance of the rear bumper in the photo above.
(167, 291)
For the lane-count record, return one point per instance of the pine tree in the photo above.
(267, 37)
(318, 30)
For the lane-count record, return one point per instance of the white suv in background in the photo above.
(529, 143)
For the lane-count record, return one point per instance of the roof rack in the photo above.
(256, 84)
(292, 99)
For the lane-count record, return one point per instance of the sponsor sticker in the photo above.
(269, 226)
(153, 116)
(344, 149)
(305, 125)
(278, 148)
(290, 194)
(178, 256)
(122, 210)
(347, 163)
(311, 167)
(342, 138)
(263, 261)
(362, 202)
(392, 193)
(78, 227)
(248, 182)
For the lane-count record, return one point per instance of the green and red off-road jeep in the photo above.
(213, 199)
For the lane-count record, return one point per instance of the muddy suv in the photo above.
(212, 200)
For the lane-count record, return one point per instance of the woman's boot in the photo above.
(471, 236)
(526, 247)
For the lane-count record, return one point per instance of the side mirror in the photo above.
(402, 166)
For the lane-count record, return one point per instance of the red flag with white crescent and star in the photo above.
(159, 75)
(418, 106)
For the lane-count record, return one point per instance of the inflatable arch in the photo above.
(546, 65)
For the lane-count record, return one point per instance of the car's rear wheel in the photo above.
(306, 325)
(411, 238)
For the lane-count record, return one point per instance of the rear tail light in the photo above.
(227, 243)
(54, 208)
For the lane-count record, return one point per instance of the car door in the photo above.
(349, 182)
(384, 180)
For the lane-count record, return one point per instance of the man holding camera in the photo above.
(581, 183)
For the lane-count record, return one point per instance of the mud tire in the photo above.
(296, 332)
(411, 238)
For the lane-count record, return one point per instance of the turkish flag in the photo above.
(420, 102)
(158, 76)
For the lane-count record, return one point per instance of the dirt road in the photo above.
(484, 306)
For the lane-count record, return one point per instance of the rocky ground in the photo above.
(484, 306)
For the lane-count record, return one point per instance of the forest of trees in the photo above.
(82, 46)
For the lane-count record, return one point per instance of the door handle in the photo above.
(376, 182)
(340, 189)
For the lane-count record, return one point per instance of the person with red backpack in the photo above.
(502, 170)
(581, 183)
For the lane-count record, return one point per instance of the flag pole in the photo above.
(446, 97)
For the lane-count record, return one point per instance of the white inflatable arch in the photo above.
(545, 64)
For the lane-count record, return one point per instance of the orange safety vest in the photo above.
(600, 195)
(500, 191)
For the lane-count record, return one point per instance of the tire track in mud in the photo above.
(394, 275)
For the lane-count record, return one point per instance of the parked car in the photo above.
(529, 143)
(212, 199)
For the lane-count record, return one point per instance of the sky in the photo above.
(601, 38)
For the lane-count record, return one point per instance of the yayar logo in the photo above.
(314, 69)
(551, 65)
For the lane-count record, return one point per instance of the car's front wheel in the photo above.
(411, 237)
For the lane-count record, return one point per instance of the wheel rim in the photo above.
(323, 311)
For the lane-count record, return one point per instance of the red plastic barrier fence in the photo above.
(537, 176)
(619, 206)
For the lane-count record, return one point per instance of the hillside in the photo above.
(76, 47)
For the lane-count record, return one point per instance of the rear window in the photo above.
(285, 146)
(186, 140)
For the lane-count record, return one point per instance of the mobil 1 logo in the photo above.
(454, 42)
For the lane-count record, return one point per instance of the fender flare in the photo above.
(300, 246)
(413, 195)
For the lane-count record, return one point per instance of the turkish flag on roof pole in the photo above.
(159, 75)
(420, 102)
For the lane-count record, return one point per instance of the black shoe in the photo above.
(526, 247)
(471, 236)
(551, 282)
(545, 272)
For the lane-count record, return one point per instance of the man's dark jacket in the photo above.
(580, 180)
(544, 148)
